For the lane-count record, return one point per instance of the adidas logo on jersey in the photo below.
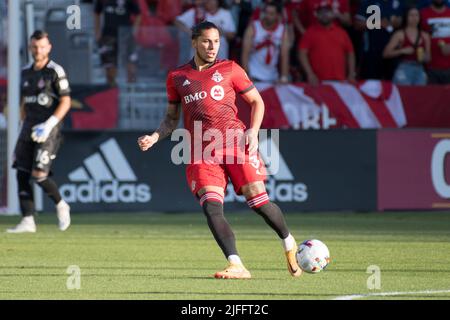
(105, 176)
(281, 185)
(186, 83)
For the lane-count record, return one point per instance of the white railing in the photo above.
(141, 105)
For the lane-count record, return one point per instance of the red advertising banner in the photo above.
(413, 169)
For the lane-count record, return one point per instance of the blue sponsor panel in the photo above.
(320, 170)
(100, 171)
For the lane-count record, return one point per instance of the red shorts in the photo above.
(215, 174)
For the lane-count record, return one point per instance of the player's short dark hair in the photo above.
(38, 35)
(199, 27)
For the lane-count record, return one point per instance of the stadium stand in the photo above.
(81, 42)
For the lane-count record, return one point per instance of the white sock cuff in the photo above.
(29, 218)
(61, 203)
(234, 259)
(288, 242)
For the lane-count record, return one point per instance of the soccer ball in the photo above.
(313, 256)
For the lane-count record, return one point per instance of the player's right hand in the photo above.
(146, 142)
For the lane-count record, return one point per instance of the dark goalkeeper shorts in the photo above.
(30, 155)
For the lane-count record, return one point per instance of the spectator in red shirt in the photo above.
(436, 20)
(341, 10)
(326, 52)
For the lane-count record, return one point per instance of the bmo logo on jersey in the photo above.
(217, 93)
(195, 97)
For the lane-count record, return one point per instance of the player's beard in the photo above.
(206, 60)
(40, 58)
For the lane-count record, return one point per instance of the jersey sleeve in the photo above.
(240, 80)
(61, 83)
(172, 93)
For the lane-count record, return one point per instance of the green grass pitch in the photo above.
(173, 256)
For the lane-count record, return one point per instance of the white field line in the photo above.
(386, 294)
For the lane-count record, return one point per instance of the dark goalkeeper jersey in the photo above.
(41, 91)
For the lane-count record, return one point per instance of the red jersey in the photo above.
(438, 25)
(209, 95)
(327, 50)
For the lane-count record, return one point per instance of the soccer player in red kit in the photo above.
(205, 89)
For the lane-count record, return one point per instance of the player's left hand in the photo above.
(41, 131)
(251, 139)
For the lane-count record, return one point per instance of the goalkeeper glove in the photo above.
(41, 131)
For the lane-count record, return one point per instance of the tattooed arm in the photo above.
(167, 126)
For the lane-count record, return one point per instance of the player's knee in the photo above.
(212, 203)
(39, 174)
(253, 189)
(23, 177)
(212, 208)
(39, 178)
(257, 201)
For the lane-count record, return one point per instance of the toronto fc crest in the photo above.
(217, 77)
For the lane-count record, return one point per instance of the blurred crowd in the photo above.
(284, 40)
(307, 40)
